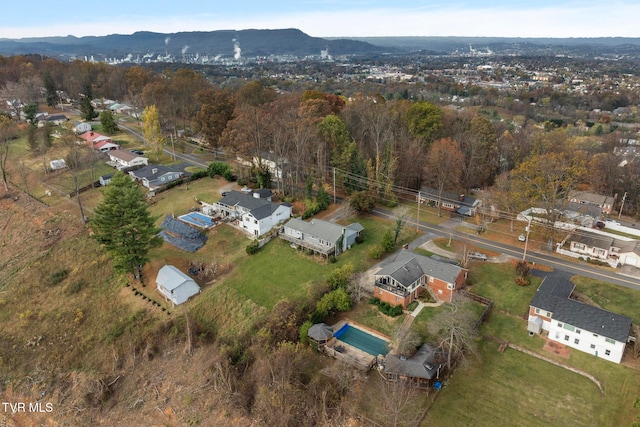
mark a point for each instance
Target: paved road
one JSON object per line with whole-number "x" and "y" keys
{"x": 574, "y": 268}
{"x": 431, "y": 232}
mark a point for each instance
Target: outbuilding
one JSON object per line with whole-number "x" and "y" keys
{"x": 176, "y": 286}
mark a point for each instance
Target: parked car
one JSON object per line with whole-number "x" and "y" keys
{"x": 138, "y": 152}
{"x": 522, "y": 238}
{"x": 477, "y": 255}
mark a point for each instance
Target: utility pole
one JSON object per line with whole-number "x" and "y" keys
{"x": 526, "y": 240}
{"x": 418, "y": 217}
{"x": 334, "y": 185}
{"x": 622, "y": 204}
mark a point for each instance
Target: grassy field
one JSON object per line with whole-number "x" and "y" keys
{"x": 496, "y": 282}
{"x": 610, "y": 297}
{"x": 514, "y": 389}
{"x": 518, "y": 389}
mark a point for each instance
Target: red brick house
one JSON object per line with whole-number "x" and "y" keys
{"x": 410, "y": 275}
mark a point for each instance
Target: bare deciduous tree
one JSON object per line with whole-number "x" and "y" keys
{"x": 454, "y": 329}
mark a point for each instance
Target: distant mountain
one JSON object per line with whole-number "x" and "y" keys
{"x": 293, "y": 42}
{"x": 247, "y": 43}
{"x": 508, "y": 45}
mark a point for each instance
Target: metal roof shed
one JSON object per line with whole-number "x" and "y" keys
{"x": 176, "y": 286}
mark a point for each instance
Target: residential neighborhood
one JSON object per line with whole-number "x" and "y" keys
{"x": 328, "y": 240}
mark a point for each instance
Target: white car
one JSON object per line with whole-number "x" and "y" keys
{"x": 522, "y": 238}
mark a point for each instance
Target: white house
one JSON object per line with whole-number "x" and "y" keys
{"x": 123, "y": 159}
{"x": 575, "y": 324}
{"x": 81, "y": 127}
{"x": 321, "y": 236}
{"x": 176, "y": 286}
{"x": 254, "y": 214}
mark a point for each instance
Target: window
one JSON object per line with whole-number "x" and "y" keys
{"x": 566, "y": 337}
{"x": 578, "y": 331}
{"x": 593, "y": 346}
{"x": 595, "y": 335}
{"x": 431, "y": 279}
{"x": 559, "y": 325}
{"x": 576, "y": 341}
{"x": 607, "y": 352}
{"x": 537, "y": 311}
{"x": 548, "y": 314}
{"x": 397, "y": 299}
{"x": 610, "y": 341}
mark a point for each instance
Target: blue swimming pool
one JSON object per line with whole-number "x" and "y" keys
{"x": 362, "y": 340}
{"x": 198, "y": 219}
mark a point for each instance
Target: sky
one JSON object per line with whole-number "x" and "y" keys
{"x": 326, "y": 18}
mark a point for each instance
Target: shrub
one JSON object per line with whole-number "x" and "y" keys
{"x": 375, "y": 251}
{"x": 304, "y": 332}
{"x": 333, "y": 259}
{"x": 58, "y": 276}
{"x": 360, "y": 237}
{"x": 221, "y": 169}
{"x": 76, "y": 287}
{"x": 522, "y": 281}
{"x": 253, "y": 247}
{"x": 374, "y": 301}
{"x": 198, "y": 174}
{"x": 387, "y": 241}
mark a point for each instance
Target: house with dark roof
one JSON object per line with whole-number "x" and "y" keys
{"x": 323, "y": 237}
{"x": 462, "y": 204}
{"x": 576, "y": 324}
{"x": 156, "y": 176}
{"x": 614, "y": 249}
{"x": 605, "y": 203}
{"x": 54, "y": 119}
{"x": 410, "y": 275}
{"x": 254, "y": 214}
{"x": 423, "y": 368}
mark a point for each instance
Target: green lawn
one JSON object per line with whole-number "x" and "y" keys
{"x": 610, "y": 297}
{"x": 514, "y": 389}
{"x": 496, "y": 282}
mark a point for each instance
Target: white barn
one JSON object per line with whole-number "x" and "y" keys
{"x": 176, "y": 286}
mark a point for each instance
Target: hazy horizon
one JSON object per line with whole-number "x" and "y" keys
{"x": 329, "y": 18}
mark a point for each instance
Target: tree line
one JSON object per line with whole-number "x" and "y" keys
{"x": 387, "y": 142}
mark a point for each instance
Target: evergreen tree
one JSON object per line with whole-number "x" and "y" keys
{"x": 108, "y": 122}
{"x": 50, "y": 88}
{"x": 124, "y": 225}
{"x": 87, "y": 112}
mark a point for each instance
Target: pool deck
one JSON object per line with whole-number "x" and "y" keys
{"x": 187, "y": 218}
{"x": 349, "y": 354}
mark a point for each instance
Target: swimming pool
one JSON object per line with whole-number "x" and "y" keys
{"x": 362, "y": 340}
{"x": 198, "y": 219}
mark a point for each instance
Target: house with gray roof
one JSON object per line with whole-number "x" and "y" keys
{"x": 156, "y": 176}
{"x": 323, "y": 237}
{"x": 576, "y": 324}
{"x": 409, "y": 275}
{"x": 423, "y": 368}
{"x": 605, "y": 203}
{"x": 253, "y": 213}
{"x": 461, "y": 204}
{"x": 614, "y": 249}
